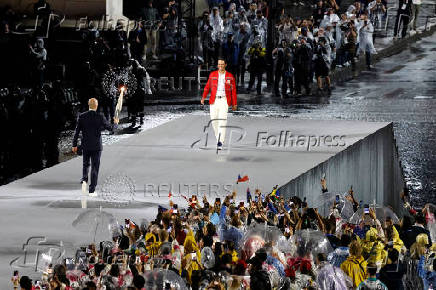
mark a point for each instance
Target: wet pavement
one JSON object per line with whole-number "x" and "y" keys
{"x": 401, "y": 89}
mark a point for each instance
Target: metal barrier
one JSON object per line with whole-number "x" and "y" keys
{"x": 379, "y": 26}
{"x": 427, "y": 21}
{"x": 387, "y": 18}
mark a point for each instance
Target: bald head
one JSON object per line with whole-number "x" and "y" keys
{"x": 93, "y": 104}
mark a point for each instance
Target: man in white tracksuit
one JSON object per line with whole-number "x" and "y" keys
{"x": 416, "y": 4}
{"x": 366, "y": 45}
{"x": 222, "y": 87}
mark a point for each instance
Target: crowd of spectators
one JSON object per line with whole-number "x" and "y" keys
{"x": 265, "y": 242}
{"x": 334, "y": 35}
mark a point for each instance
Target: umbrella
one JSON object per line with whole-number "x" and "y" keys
{"x": 231, "y": 233}
{"x": 214, "y": 219}
{"x": 49, "y": 255}
{"x": 309, "y": 241}
{"x": 163, "y": 279}
{"x": 285, "y": 245}
{"x": 331, "y": 277}
{"x": 252, "y": 244}
{"x": 96, "y": 221}
{"x": 347, "y": 209}
{"x": 381, "y": 212}
{"x": 267, "y": 233}
{"x": 327, "y": 200}
{"x": 207, "y": 258}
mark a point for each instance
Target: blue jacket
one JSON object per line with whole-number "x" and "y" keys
{"x": 338, "y": 256}
{"x": 91, "y": 124}
{"x": 428, "y": 277}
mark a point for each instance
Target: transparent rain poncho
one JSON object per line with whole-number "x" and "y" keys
{"x": 310, "y": 242}
{"x": 331, "y": 277}
{"x": 381, "y": 212}
{"x": 207, "y": 258}
{"x": 163, "y": 279}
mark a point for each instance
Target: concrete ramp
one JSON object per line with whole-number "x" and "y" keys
{"x": 180, "y": 155}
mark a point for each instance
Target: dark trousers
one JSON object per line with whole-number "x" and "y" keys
{"x": 368, "y": 58}
{"x": 288, "y": 80}
{"x": 135, "y": 107}
{"x": 404, "y": 21}
{"x": 240, "y": 74}
{"x": 51, "y": 149}
{"x": 277, "y": 76}
{"x": 302, "y": 79}
{"x": 253, "y": 75}
{"x": 107, "y": 106}
{"x": 91, "y": 158}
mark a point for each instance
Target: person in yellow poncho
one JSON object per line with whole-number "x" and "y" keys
{"x": 191, "y": 260}
{"x": 393, "y": 236}
{"x": 257, "y": 64}
{"x": 151, "y": 244}
{"x": 355, "y": 266}
{"x": 373, "y": 247}
{"x": 230, "y": 250}
{"x": 419, "y": 248}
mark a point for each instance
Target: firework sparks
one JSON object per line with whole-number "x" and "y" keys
{"x": 115, "y": 80}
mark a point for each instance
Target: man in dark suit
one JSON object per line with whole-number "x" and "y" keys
{"x": 410, "y": 234}
{"x": 91, "y": 124}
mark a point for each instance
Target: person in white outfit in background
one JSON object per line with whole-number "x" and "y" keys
{"x": 416, "y": 4}
{"x": 366, "y": 44}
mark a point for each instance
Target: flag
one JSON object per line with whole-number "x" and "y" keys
{"x": 248, "y": 195}
{"x": 242, "y": 179}
{"x": 275, "y": 193}
{"x": 170, "y": 195}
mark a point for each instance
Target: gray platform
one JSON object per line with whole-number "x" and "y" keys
{"x": 45, "y": 203}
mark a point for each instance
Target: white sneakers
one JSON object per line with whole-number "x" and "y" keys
{"x": 85, "y": 191}
{"x": 93, "y": 194}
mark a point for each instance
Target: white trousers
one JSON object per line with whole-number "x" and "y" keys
{"x": 218, "y": 116}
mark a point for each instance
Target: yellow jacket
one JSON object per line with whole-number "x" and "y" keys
{"x": 259, "y": 51}
{"x": 374, "y": 248}
{"x": 190, "y": 246}
{"x": 398, "y": 243}
{"x": 355, "y": 268}
{"x": 152, "y": 246}
{"x": 234, "y": 254}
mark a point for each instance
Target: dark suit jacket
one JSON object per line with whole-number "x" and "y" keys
{"x": 408, "y": 9}
{"x": 91, "y": 124}
{"x": 410, "y": 235}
